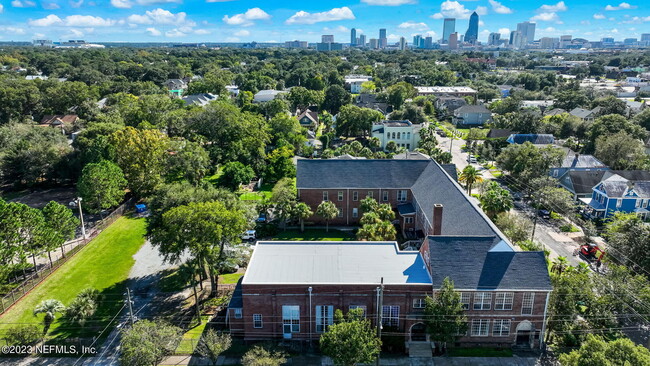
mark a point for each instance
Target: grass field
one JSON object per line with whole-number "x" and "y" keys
{"x": 314, "y": 235}
{"x": 191, "y": 337}
{"x": 264, "y": 192}
{"x": 104, "y": 264}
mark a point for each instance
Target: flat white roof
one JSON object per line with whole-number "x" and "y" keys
{"x": 334, "y": 263}
{"x": 444, "y": 89}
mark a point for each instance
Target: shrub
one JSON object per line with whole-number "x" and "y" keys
{"x": 568, "y": 228}
{"x": 23, "y": 335}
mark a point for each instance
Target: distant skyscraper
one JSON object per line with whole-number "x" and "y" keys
{"x": 295, "y": 44}
{"x": 493, "y": 39}
{"x": 453, "y": 41}
{"x": 527, "y": 30}
{"x": 402, "y": 43}
{"x": 373, "y": 43}
{"x": 428, "y": 42}
{"x": 327, "y": 38}
{"x": 417, "y": 39}
{"x": 608, "y": 40}
{"x": 362, "y": 40}
{"x": 516, "y": 39}
{"x": 565, "y": 41}
{"x": 472, "y": 31}
{"x": 630, "y": 41}
{"x": 448, "y": 28}
{"x": 549, "y": 43}
{"x": 383, "y": 40}
{"x": 645, "y": 39}
{"x": 353, "y": 37}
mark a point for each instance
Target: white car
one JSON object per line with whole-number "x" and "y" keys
{"x": 248, "y": 235}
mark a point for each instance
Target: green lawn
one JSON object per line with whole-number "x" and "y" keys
{"x": 103, "y": 264}
{"x": 479, "y": 352}
{"x": 264, "y": 192}
{"x": 191, "y": 337}
{"x": 231, "y": 278}
{"x": 315, "y": 235}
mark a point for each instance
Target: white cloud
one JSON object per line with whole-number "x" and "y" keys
{"x": 202, "y": 31}
{"x": 430, "y": 33}
{"x": 393, "y": 37}
{"x": 154, "y": 32}
{"x": 547, "y": 17}
{"x": 46, "y": 22}
{"x": 126, "y": 4}
{"x": 621, "y": 6}
{"x": 500, "y": 8}
{"x": 74, "y": 33}
{"x": 87, "y": 21}
{"x": 504, "y": 31}
{"x": 13, "y": 30}
{"x": 122, "y": 4}
{"x": 160, "y": 16}
{"x": 50, "y": 6}
{"x": 76, "y": 4}
{"x": 636, "y": 20}
{"x": 23, "y": 4}
{"x": 414, "y": 26}
{"x": 246, "y": 19}
{"x": 2, "y": 8}
{"x": 339, "y": 29}
{"x": 553, "y": 8}
{"x": 303, "y": 17}
{"x": 175, "y": 33}
{"x": 232, "y": 39}
{"x": 388, "y": 2}
{"x": 454, "y": 9}
{"x": 599, "y": 16}
{"x": 242, "y": 33}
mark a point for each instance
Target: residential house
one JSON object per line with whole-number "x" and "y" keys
{"x": 585, "y": 115}
{"x": 447, "y": 104}
{"x": 575, "y": 162}
{"x": 354, "y": 82}
{"x": 438, "y": 91}
{"x": 554, "y": 112}
{"x": 620, "y": 191}
{"x": 370, "y": 101}
{"x": 176, "y": 87}
{"x": 404, "y": 133}
{"x": 535, "y": 139}
{"x": 581, "y": 182}
{"x": 505, "y": 90}
{"x": 267, "y": 95}
{"x": 308, "y": 119}
{"x": 64, "y": 122}
{"x": 292, "y": 289}
{"x": 472, "y": 115}
{"x": 200, "y": 100}
{"x": 634, "y": 107}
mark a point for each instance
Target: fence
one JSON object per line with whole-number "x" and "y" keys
{"x": 42, "y": 273}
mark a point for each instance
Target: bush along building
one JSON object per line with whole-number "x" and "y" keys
{"x": 291, "y": 289}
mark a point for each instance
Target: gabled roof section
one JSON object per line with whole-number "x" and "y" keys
{"x": 536, "y": 139}
{"x": 583, "y": 181}
{"x": 575, "y": 160}
{"x": 485, "y": 263}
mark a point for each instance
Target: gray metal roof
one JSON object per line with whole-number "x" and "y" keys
{"x": 334, "y": 263}
{"x": 536, "y": 139}
{"x": 473, "y": 109}
{"x": 583, "y": 181}
{"x": 574, "y": 160}
{"x": 485, "y": 263}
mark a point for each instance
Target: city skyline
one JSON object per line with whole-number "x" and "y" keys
{"x": 245, "y": 21}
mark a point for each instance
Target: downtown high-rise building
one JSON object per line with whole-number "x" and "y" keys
{"x": 353, "y": 37}
{"x": 428, "y": 42}
{"x": 383, "y": 40}
{"x": 645, "y": 39}
{"x": 449, "y": 27}
{"x": 472, "y": 30}
{"x": 527, "y": 30}
{"x": 327, "y": 38}
{"x": 494, "y": 39}
{"x": 373, "y": 43}
{"x": 453, "y": 41}
{"x": 516, "y": 39}
{"x": 362, "y": 40}
{"x": 402, "y": 43}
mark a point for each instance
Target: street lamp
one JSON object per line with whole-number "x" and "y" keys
{"x": 77, "y": 202}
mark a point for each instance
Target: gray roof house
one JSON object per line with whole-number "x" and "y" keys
{"x": 449, "y": 103}
{"x": 472, "y": 115}
{"x": 535, "y": 139}
{"x": 267, "y": 95}
{"x": 308, "y": 119}
{"x": 200, "y": 100}
{"x": 365, "y": 100}
{"x": 585, "y": 114}
{"x": 574, "y": 162}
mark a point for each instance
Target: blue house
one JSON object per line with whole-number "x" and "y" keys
{"x": 574, "y": 162}
{"x": 617, "y": 193}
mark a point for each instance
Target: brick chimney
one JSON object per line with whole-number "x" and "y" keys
{"x": 437, "y": 219}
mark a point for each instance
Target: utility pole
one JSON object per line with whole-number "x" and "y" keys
{"x": 380, "y": 311}
{"x": 128, "y": 299}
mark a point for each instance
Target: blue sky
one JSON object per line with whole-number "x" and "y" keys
{"x": 282, "y": 20}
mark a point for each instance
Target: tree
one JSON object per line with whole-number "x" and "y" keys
{"x": 301, "y": 211}
{"x": 83, "y": 306}
{"x": 280, "y": 164}
{"x": 628, "y": 236}
{"x": 209, "y": 231}
{"x": 517, "y": 228}
{"x": 335, "y": 98}
{"x": 611, "y": 124}
{"x": 353, "y": 121}
{"x": 525, "y": 162}
{"x": 599, "y": 352}
{"x": 283, "y": 196}
{"x": 61, "y": 225}
{"x": 610, "y": 105}
{"x": 49, "y": 308}
{"x": 141, "y": 156}
{"x": 410, "y": 112}
{"x": 495, "y": 200}
{"x": 23, "y": 335}
{"x": 328, "y": 211}
{"x": 444, "y": 315}
{"x": 234, "y": 174}
{"x": 399, "y": 92}
{"x": 621, "y": 152}
{"x": 147, "y": 343}
{"x": 469, "y": 176}
{"x": 352, "y": 340}
{"x": 101, "y": 186}
{"x": 212, "y": 344}
{"x": 286, "y": 130}
{"x": 555, "y": 199}
{"x": 187, "y": 160}
{"x": 301, "y": 98}
{"x": 260, "y": 356}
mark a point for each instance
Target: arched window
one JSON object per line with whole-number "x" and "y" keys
{"x": 398, "y": 136}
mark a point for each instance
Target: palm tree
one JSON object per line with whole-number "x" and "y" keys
{"x": 560, "y": 265}
{"x": 495, "y": 200}
{"x": 83, "y": 306}
{"x": 301, "y": 211}
{"x": 49, "y": 307}
{"x": 328, "y": 211}
{"x": 469, "y": 176}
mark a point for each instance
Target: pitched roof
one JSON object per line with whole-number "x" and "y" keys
{"x": 555, "y": 112}
{"x": 499, "y": 133}
{"x": 472, "y": 109}
{"x": 537, "y": 139}
{"x": 584, "y": 180}
{"x": 199, "y": 99}
{"x": 334, "y": 263}
{"x": 575, "y": 160}
{"x": 617, "y": 186}
{"x": 313, "y": 116}
{"x": 485, "y": 263}
{"x": 633, "y": 175}
{"x": 581, "y": 113}
{"x": 59, "y": 119}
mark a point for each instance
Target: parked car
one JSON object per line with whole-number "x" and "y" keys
{"x": 545, "y": 214}
{"x": 472, "y": 159}
{"x": 261, "y": 218}
{"x": 248, "y": 235}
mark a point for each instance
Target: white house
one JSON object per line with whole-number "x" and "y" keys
{"x": 404, "y": 133}
{"x": 267, "y": 95}
{"x": 355, "y": 81}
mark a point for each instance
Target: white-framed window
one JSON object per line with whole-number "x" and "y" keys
{"x": 340, "y": 196}
{"x": 408, "y": 220}
{"x": 482, "y": 300}
{"x": 402, "y": 195}
{"x": 398, "y": 135}
{"x": 340, "y": 212}
{"x": 290, "y": 319}
{"x": 555, "y": 173}
{"x": 326, "y": 196}
{"x": 637, "y": 204}
{"x": 355, "y": 195}
{"x": 238, "y": 313}
{"x": 501, "y": 327}
{"x": 419, "y": 303}
{"x": 619, "y": 202}
{"x": 465, "y": 299}
{"x": 370, "y": 194}
{"x": 645, "y": 203}
{"x": 257, "y": 321}
{"x": 480, "y": 327}
{"x": 503, "y": 300}
{"x": 362, "y": 307}
{"x": 324, "y": 317}
{"x": 527, "y": 303}
{"x": 385, "y": 198}
{"x": 355, "y": 212}
{"x": 390, "y": 316}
